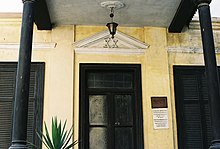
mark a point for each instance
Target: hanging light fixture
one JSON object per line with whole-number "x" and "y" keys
{"x": 112, "y": 5}
{"x": 111, "y": 42}
{"x": 112, "y": 26}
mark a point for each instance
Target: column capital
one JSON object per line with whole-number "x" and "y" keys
{"x": 197, "y": 2}
{"x": 28, "y": 0}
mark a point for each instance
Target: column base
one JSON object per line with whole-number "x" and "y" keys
{"x": 215, "y": 144}
{"x": 18, "y": 146}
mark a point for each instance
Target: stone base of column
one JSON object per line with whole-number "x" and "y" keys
{"x": 215, "y": 144}
{"x": 18, "y": 146}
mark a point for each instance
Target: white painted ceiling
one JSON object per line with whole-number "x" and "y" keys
{"x": 135, "y": 13}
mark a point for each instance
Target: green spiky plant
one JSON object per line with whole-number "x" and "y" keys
{"x": 60, "y": 138}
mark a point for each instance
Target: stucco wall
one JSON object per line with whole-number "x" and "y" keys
{"x": 61, "y": 95}
{"x": 55, "y": 49}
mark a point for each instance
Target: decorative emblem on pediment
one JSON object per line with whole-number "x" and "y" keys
{"x": 101, "y": 43}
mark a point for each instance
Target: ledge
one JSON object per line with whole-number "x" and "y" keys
{"x": 194, "y": 24}
{"x": 9, "y": 15}
{"x": 191, "y": 50}
{"x": 49, "y": 45}
{"x": 117, "y": 51}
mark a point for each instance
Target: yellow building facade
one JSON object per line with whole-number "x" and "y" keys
{"x": 64, "y": 48}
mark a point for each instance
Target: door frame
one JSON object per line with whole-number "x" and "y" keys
{"x": 136, "y": 68}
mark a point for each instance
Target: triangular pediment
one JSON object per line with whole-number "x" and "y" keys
{"x": 101, "y": 43}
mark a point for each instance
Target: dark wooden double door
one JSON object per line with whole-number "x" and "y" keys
{"x": 110, "y": 112}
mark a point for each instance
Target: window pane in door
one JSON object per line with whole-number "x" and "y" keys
{"x": 98, "y": 138}
{"x": 98, "y": 110}
{"x": 110, "y": 80}
{"x": 123, "y": 110}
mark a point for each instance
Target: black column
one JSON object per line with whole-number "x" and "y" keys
{"x": 20, "y": 113}
{"x": 211, "y": 69}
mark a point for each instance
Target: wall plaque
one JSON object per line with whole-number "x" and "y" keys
{"x": 159, "y": 102}
{"x": 160, "y": 118}
{"x": 160, "y": 112}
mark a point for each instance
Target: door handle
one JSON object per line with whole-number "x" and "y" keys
{"x": 117, "y": 123}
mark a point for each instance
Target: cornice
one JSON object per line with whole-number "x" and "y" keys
{"x": 190, "y": 50}
{"x": 39, "y": 46}
{"x": 194, "y": 24}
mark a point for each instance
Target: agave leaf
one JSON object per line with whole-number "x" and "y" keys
{"x": 63, "y": 128}
{"x": 67, "y": 141}
{"x": 47, "y": 138}
{"x": 63, "y": 139}
{"x": 59, "y": 133}
{"x": 32, "y": 144}
{"x": 54, "y": 133}
{"x": 45, "y": 143}
{"x": 63, "y": 135}
{"x": 60, "y": 138}
{"x": 72, "y": 144}
{"x": 68, "y": 137}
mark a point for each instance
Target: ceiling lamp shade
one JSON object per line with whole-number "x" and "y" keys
{"x": 112, "y": 27}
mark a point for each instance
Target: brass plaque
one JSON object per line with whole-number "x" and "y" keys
{"x": 159, "y": 102}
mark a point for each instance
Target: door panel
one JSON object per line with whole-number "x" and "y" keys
{"x": 124, "y": 138}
